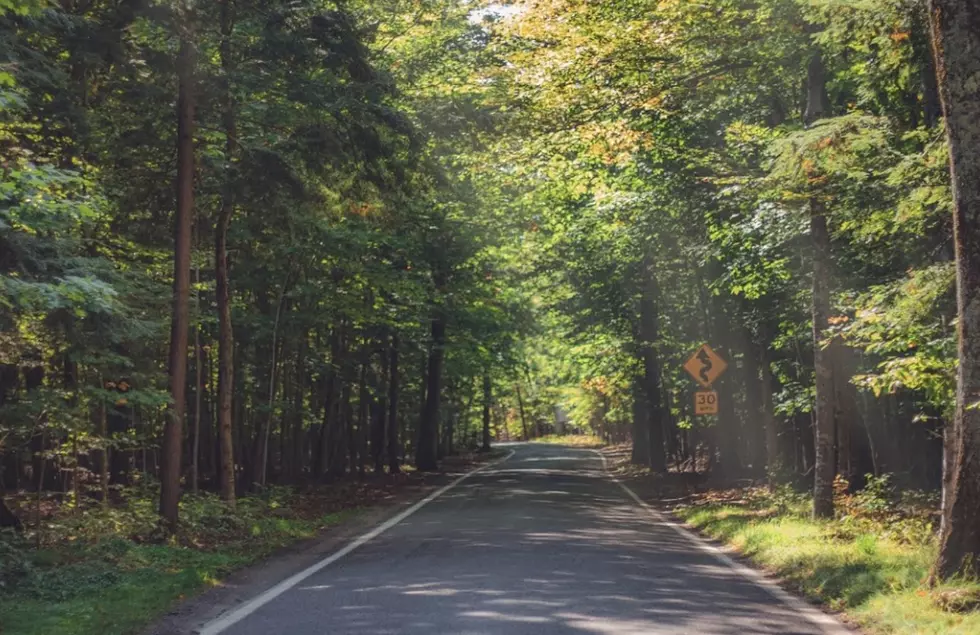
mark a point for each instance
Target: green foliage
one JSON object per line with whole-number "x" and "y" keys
{"x": 106, "y": 571}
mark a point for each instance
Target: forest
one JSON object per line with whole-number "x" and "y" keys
{"x": 252, "y": 248}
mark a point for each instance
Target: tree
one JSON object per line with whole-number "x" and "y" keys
{"x": 956, "y": 42}
{"x": 226, "y": 342}
{"x": 170, "y": 471}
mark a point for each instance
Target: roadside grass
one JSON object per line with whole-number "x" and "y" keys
{"x": 871, "y": 563}
{"x": 107, "y": 571}
{"x": 574, "y": 440}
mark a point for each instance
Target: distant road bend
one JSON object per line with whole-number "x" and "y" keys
{"x": 542, "y": 543}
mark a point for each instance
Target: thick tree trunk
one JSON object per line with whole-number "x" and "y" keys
{"x": 226, "y": 338}
{"x": 426, "y": 452}
{"x": 173, "y": 429}
{"x": 956, "y": 42}
{"x": 393, "y": 441}
{"x": 487, "y": 403}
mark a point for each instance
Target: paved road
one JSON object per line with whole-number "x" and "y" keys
{"x": 541, "y": 544}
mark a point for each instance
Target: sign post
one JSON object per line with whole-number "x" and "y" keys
{"x": 705, "y": 366}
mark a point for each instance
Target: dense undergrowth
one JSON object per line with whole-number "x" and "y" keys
{"x": 871, "y": 562}
{"x": 109, "y": 570}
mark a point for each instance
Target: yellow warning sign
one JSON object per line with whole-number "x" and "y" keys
{"x": 706, "y": 403}
{"x": 705, "y": 366}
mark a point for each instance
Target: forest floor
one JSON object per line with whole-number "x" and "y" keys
{"x": 572, "y": 440}
{"x": 106, "y": 571}
{"x": 870, "y": 564}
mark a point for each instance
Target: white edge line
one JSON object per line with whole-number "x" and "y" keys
{"x": 827, "y": 623}
{"x": 236, "y": 615}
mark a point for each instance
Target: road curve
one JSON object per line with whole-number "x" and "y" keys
{"x": 543, "y": 543}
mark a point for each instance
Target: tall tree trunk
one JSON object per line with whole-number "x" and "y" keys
{"x": 823, "y": 431}
{"x": 649, "y": 337}
{"x": 324, "y": 458}
{"x": 956, "y": 42}
{"x": 520, "y": 405}
{"x": 174, "y": 426}
{"x": 773, "y": 460}
{"x": 359, "y": 444}
{"x": 297, "y": 456}
{"x": 393, "y": 440}
{"x": 226, "y": 337}
{"x": 198, "y": 381}
{"x": 640, "y": 454}
{"x": 378, "y": 419}
{"x": 263, "y": 467}
{"x": 487, "y": 402}
{"x": 823, "y": 486}
{"x": 426, "y": 452}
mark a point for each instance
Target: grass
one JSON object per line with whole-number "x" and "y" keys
{"x": 574, "y": 440}
{"x": 107, "y": 571}
{"x": 871, "y": 566}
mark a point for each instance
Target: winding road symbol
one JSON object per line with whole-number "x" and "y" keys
{"x": 705, "y": 366}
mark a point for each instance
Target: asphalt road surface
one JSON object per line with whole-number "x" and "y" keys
{"x": 542, "y": 543}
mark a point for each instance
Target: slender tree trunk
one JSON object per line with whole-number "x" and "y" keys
{"x": 487, "y": 402}
{"x": 823, "y": 431}
{"x": 520, "y": 405}
{"x": 226, "y": 338}
{"x": 773, "y": 462}
{"x": 649, "y": 337}
{"x": 378, "y": 423}
{"x": 393, "y": 441}
{"x": 198, "y": 380}
{"x": 174, "y": 426}
{"x": 363, "y": 412}
{"x": 104, "y": 454}
{"x": 823, "y": 488}
{"x": 267, "y": 424}
{"x": 426, "y": 451}
{"x": 295, "y": 455}
{"x": 956, "y": 42}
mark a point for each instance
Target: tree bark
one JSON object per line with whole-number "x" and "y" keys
{"x": 174, "y": 426}
{"x": 378, "y": 419}
{"x": 393, "y": 441}
{"x": 823, "y": 431}
{"x": 652, "y": 389}
{"x": 773, "y": 458}
{"x": 640, "y": 454}
{"x": 226, "y": 337}
{"x": 263, "y": 467}
{"x": 956, "y": 43}
{"x": 426, "y": 452}
{"x": 487, "y": 402}
{"x": 198, "y": 381}
{"x": 520, "y": 405}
